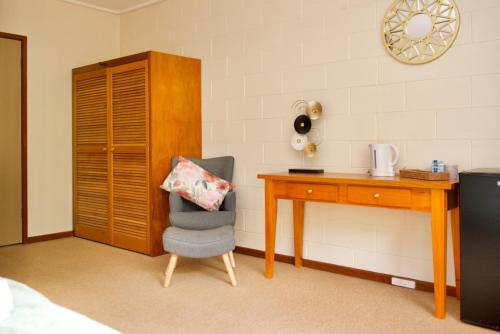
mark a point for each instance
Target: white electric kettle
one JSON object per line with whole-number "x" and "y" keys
{"x": 383, "y": 157}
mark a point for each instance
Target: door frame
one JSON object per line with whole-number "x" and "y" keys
{"x": 24, "y": 128}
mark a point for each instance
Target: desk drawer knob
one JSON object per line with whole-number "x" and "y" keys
{"x": 376, "y": 195}
{"x": 309, "y": 191}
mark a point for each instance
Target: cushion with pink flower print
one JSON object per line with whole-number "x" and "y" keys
{"x": 197, "y": 185}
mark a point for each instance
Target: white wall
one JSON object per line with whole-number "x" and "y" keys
{"x": 61, "y": 37}
{"x": 261, "y": 55}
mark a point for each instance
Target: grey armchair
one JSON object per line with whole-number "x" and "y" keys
{"x": 197, "y": 233}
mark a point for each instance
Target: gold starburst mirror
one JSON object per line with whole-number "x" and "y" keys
{"x": 419, "y": 31}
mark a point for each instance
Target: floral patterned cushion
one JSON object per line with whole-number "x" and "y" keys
{"x": 197, "y": 185}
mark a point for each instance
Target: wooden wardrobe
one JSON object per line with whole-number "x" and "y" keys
{"x": 130, "y": 116}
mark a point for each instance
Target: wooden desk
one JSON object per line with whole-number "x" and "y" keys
{"x": 435, "y": 197}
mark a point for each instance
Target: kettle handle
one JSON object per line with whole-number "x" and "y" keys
{"x": 396, "y": 156}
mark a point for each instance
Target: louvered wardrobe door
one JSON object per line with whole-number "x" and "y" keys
{"x": 130, "y": 139}
{"x": 90, "y": 162}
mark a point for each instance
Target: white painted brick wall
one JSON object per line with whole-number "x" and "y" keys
{"x": 259, "y": 56}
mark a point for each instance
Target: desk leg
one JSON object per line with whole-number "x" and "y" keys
{"x": 298, "y": 231}
{"x": 455, "y": 232}
{"x": 439, "y": 207}
{"x": 271, "y": 210}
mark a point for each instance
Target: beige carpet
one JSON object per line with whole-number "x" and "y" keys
{"x": 124, "y": 290}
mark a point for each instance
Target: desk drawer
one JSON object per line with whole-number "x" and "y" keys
{"x": 390, "y": 197}
{"x": 312, "y": 192}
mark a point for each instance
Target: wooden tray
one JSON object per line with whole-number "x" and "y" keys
{"x": 424, "y": 175}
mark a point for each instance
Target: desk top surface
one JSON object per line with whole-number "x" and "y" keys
{"x": 359, "y": 179}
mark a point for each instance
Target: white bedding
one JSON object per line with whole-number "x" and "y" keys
{"x": 6, "y": 304}
{"x": 35, "y": 314}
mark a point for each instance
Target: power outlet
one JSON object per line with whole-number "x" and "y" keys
{"x": 405, "y": 283}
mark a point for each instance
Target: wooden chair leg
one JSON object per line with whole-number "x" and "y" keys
{"x": 231, "y": 258}
{"x": 229, "y": 269}
{"x": 170, "y": 269}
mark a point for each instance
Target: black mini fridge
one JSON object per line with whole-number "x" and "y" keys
{"x": 480, "y": 247}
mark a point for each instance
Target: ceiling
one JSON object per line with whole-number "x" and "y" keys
{"x": 114, "y": 6}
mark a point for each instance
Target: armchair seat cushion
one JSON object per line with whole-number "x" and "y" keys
{"x": 199, "y": 243}
{"x": 202, "y": 220}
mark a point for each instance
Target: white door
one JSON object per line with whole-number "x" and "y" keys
{"x": 10, "y": 142}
